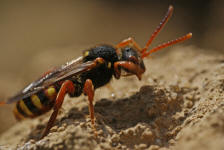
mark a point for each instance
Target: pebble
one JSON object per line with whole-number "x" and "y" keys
{"x": 147, "y": 134}
{"x": 115, "y": 138}
{"x": 54, "y": 129}
{"x": 61, "y": 129}
{"x": 105, "y": 146}
{"x": 154, "y": 147}
{"x": 189, "y": 104}
{"x": 142, "y": 146}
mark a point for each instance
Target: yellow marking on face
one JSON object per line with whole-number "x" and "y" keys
{"x": 24, "y": 108}
{"x": 86, "y": 53}
{"x": 17, "y": 114}
{"x": 109, "y": 65}
{"x": 36, "y": 101}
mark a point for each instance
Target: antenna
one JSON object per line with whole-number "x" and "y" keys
{"x": 156, "y": 32}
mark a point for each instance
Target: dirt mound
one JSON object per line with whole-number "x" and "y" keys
{"x": 177, "y": 105}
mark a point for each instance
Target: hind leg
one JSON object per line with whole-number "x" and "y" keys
{"x": 66, "y": 87}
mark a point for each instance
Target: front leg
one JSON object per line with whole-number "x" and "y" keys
{"x": 129, "y": 42}
{"x": 130, "y": 66}
{"x": 89, "y": 91}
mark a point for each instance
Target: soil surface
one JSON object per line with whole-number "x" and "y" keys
{"x": 178, "y": 104}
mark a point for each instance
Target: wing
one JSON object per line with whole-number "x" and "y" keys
{"x": 72, "y": 68}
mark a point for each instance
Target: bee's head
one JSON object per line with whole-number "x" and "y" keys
{"x": 135, "y": 63}
{"x": 131, "y": 55}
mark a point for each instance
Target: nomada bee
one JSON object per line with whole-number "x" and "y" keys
{"x": 93, "y": 69}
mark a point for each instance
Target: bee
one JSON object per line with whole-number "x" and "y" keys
{"x": 95, "y": 68}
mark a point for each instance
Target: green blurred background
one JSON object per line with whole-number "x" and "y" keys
{"x": 37, "y": 35}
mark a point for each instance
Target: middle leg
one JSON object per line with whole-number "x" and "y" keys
{"x": 89, "y": 91}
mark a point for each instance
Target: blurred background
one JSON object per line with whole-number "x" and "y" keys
{"x": 37, "y": 35}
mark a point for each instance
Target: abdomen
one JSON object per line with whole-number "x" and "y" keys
{"x": 36, "y": 104}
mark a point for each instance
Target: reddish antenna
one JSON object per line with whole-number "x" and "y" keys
{"x": 156, "y": 32}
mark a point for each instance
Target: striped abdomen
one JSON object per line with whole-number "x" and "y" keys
{"x": 36, "y": 104}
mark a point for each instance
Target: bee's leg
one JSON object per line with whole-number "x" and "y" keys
{"x": 89, "y": 91}
{"x": 129, "y": 41}
{"x": 131, "y": 67}
{"x": 66, "y": 87}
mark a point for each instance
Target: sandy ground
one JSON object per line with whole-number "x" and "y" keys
{"x": 177, "y": 105}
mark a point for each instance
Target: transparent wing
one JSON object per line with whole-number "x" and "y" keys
{"x": 72, "y": 68}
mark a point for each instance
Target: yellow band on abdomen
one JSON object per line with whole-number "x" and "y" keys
{"x": 17, "y": 114}
{"x": 24, "y": 108}
{"x": 36, "y": 101}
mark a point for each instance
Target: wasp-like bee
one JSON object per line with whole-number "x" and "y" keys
{"x": 93, "y": 69}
